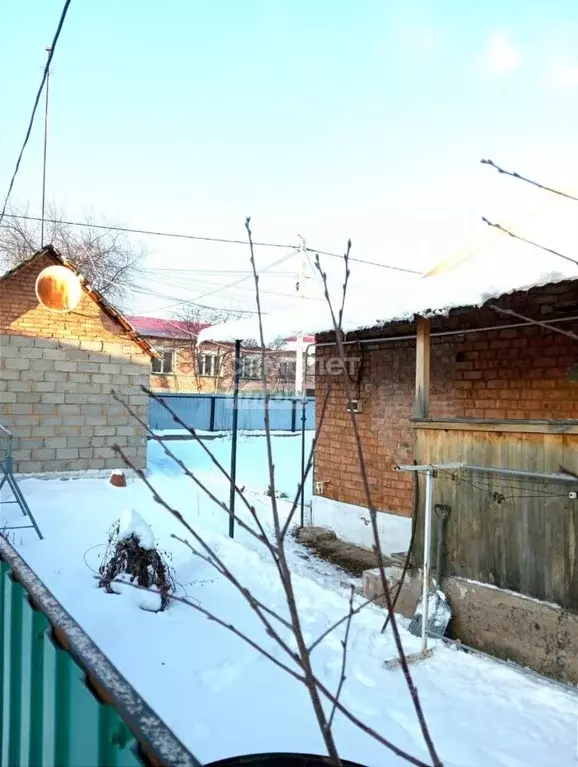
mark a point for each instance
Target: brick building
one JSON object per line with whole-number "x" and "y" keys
{"x": 57, "y": 371}
{"x": 489, "y": 395}
{"x": 487, "y": 370}
{"x": 185, "y": 367}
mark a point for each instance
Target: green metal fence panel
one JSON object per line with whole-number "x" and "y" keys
{"x": 51, "y": 714}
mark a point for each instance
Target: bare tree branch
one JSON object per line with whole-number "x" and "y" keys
{"x": 373, "y": 511}
{"x": 108, "y": 259}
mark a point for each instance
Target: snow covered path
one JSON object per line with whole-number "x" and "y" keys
{"x": 220, "y": 696}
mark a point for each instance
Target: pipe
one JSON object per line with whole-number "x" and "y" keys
{"x": 426, "y": 556}
{"x": 233, "y": 472}
{"x": 521, "y": 473}
{"x": 442, "y": 333}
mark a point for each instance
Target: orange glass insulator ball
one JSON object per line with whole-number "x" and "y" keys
{"x": 58, "y": 289}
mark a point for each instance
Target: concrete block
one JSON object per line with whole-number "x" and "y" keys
{"x": 115, "y": 463}
{"x": 81, "y": 464}
{"x": 96, "y": 420}
{"x": 104, "y": 452}
{"x": 10, "y": 375}
{"x": 100, "y": 358}
{"x": 68, "y": 453}
{"x": 121, "y": 441}
{"x": 54, "y": 377}
{"x": 88, "y": 367}
{"x": 53, "y": 397}
{"x": 68, "y": 431}
{"x": 110, "y": 368}
{"x": 17, "y": 386}
{"x": 32, "y": 375}
{"x": 92, "y": 410}
{"x": 120, "y": 380}
{"x": 98, "y": 441}
{"x": 44, "y": 386}
{"x": 21, "y": 431}
{"x": 98, "y": 463}
{"x": 104, "y": 431}
{"x": 16, "y": 363}
{"x": 79, "y": 442}
{"x": 77, "y": 355}
{"x": 54, "y": 354}
{"x": 87, "y": 388}
{"x": 66, "y": 366}
{"x": 86, "y": 452}
{"x": 51, "y": 420}
{"x": 30, "y": 353}
{"x": 92, "y": 346}
{"x": 21, "y": 455}
{"x": 74, "y": 398}
{"x": 42, "y": 364}
{"x": 138, "y": 399}
{"x": 79, "y": 377}
{"x": 69, "y": 409}
{"x": 29, "y": 467}
{"x": 14, "y": 340}
{"x": 127, "y": 431}
{"x": 70, "y": 343}
{"x": 44, "y": 343}
{"x": 44, "y": 454}
{"x": 73, "y": 420}
{"x": 44, "y": 431}
{"x": 46, "y": 409}
{"x": 8, "y": 352}
{"x": 55, "y": 442}
{"x": 7, "y": 396}
{"x": 101, "y": 378}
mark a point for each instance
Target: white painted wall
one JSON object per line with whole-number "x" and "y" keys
{"x": 351, "y": 524}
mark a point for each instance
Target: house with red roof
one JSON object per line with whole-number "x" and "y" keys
{"x": 185, "y": 366}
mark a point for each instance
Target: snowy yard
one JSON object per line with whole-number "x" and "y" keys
{"x": 222, "y": 698}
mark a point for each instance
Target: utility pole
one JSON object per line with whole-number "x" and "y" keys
{"x": 299, "y": 347}
{"x": 48, "y": 51}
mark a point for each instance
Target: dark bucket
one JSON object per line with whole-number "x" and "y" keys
{"x": 280, "y": 760}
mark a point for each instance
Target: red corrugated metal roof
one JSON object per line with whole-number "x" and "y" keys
{"x": 158, "y": 327}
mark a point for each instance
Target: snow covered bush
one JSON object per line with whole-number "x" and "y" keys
{"x": 131, "y": 553}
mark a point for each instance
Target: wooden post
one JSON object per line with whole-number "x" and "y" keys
{"x": 422, "y": 366}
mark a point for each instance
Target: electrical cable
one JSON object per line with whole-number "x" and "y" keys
{"x": 200, "y": 238}
{"x": 35, "y": 107}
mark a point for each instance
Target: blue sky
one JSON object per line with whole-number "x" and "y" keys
{"x": 353, "y": 118}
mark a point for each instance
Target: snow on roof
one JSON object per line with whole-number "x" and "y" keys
{"x": 158, "y": 327}
{"x": 504, "y": 265}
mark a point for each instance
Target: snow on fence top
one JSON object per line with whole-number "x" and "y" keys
{"x": 509, "y": 267}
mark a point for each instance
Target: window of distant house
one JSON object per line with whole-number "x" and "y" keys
{"x": 165, "y": 363}
{"x": 251, "y": 368}
{"x": 287, "y": 369}
{"x": 209, "y": 364}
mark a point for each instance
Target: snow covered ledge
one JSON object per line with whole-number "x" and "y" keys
{"x": 351, "y": 524}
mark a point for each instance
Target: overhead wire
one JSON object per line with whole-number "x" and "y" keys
{"x": 35, "y": 107}
{"x": 200, "y": 238}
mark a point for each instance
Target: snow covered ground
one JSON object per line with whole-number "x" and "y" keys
{"x": 219, "y": 695}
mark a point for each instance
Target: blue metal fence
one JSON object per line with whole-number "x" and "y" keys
{"x": 214, "y": 412}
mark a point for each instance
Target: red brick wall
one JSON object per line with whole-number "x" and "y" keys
{"x": 21, "y": 314}
{"x": 520, "y": 373}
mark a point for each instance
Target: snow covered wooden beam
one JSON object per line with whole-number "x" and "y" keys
{"x": 422, "y": 367}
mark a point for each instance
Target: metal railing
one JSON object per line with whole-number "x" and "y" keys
{"x": 7, "y": 478}
{"x": 62, "y": 702}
